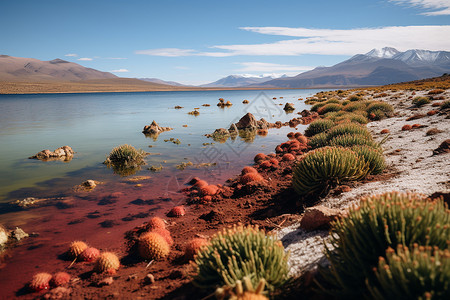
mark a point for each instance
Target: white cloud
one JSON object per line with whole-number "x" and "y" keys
{"x": 326, "y": 41}
{"x": 120, "y": 71}
{"x": 271, "y": 67}
{"x": 71, "y": 55}
{"x": 434, "y": 7}
{"x": 170, "y": 52}
{"x": 85, "y": 59}
{"x": 176, "y": 52}
{"x": 344, "y": 42}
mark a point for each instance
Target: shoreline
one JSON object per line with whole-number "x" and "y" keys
{"x": 274, "y": 208}
{"x": 32, "y": 88}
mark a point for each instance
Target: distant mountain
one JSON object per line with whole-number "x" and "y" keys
{"x": 239, "y": 81}
{"x": 159, "y": 81}
{"x": 30, "y": 69}
{"x": 377, "y": 67}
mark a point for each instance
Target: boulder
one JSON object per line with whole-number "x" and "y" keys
{"x": 247, "y": 122}
{"x": 65, "y": 152}
{"x": 19, "y": 234}
{"x": 318, "y": 217}
{"x": 233, "y": 129}
{"x": 154, "y": 128}
{"x": 289, "y": 107}
{"x": 444, "y": 147}
{"x": 305, "y": 113}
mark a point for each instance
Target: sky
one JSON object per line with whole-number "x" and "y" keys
{"x": 196, "y": 42}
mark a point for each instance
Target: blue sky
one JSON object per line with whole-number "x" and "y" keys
{"x": 197, "y": 42}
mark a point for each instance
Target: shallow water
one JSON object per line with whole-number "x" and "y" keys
{"x": 92, "y": 124}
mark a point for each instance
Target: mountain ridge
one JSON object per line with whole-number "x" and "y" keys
{"x": 377, "y": 67}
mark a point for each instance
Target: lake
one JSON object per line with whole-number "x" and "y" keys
{"x": 92, "y": 124}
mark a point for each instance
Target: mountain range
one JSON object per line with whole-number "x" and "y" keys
{"x": 240, "y": 80}
{"x": 30, "y": 69}
{"x": 377, "y": 67}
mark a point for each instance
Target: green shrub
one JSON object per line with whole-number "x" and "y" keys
{"x": 320, "y": 169}
{"x": 329, "y": 107}
{"x": 125, "y": 160}
{"x": 374, "y": 157}
{"x": 333, "y": 100}
{"x": 445, "y": 104}
{"x": 239, "y": 252}
{"x": 350, "y": 140}
{"x": 352, "y": 106}
{"x": 422, "y": 273}
{"x": 354, "y": 98}
{"x": 381, "y": 221}
{"x": 352, "y": 117}
{"x": 420, "y": 101}
{"x": 318, "y": 140}
{"x": 316, "y": 106}
{"x": 380, "y": 109}
{"x": 318, "y": 126}
{"x": 348, "y": 128}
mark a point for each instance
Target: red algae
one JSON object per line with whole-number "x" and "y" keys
{"x": 265, "y": 164}
{"x": 209, "y": 190}
{"x": 40, "y": 281}
{"x": 250, "y": 177}
{"x": 90, "y": 254}
{"x": 406, "y": 127}
{"x": 288, "y": 157}
{"x": 248, "y": 169}
{"x": 192, "y": 246}
{"x": 60, "y": 278}
{"x": 259, "y": 157}
{"x": 177, "y": 211}
{"x": 199, "y": 184}
{"x": 165, "y": 234}
{"x": 156, "y": 222}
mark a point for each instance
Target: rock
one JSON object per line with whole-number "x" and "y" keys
{"x": 64, "y": 152}
{"x": 305, "y": 113}
{"x": 318, "y": 216}
{"x": 58, "y": 293}
{"x": 90, "y": 184}
{"x": 220, "y": 132}
{"x": 233, "y": 129}
{"x": 263, "y": 124}
{"x": 106, "y": 281}
{"x": 247, "y": 122}
{"x": 149, "y": 279}
{"x": 18, "y": 234}
{"x": 154, "y": 129}
{"x": 3, "y": 236}
{"x": 444, "y": 147}
{"x": 289, "y": 107}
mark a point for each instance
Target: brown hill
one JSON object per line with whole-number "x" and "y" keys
{"x": 14, "y": 69}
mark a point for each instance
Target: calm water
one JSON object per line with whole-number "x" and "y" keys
{"x": 92, "y": 124}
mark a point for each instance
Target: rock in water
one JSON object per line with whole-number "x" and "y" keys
{"x": 247, "y": 122}
{"x": 289, "y": 107}
{"x": 64, "y": 152}
{"x": 154, "y": 128}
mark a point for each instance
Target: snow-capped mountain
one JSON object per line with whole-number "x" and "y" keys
{"x": 242, "y": 80}
{"x": 377, "y": 67}
{"x": 423, "y": 56}
{"x": 386, "y": 52}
